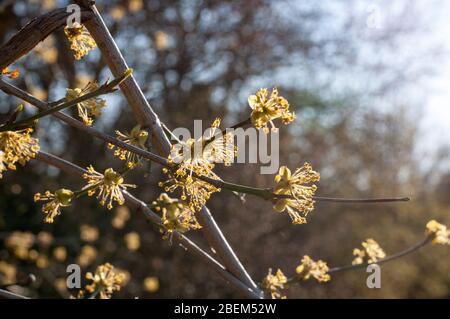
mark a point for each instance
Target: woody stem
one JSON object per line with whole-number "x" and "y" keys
{"x": 104, "y": 89}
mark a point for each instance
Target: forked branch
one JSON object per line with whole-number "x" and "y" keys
{"x": 138, "y": 205}
{"x": 34, "y": 32}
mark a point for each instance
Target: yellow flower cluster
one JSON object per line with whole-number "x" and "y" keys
{"x": 60, "y": 253}
{"x": 110, "y": 185}
{"x": 310, "y": 268}
{"x": 176, "y": 215}
{"x": 267, "y": 108}
{"x": 88, "y": 233}
{"x": 3, "y": 163}
{"x": 80, "y": 40}
{"x": 439, "y": 233}
{"x": 88, "y": 109}
{"x": 16, "y": 147}
{"x": 274, "y": 284}
{"x": 121, "y": 217}
{"x": 61, "y": 198}
{"x": 194, "y": 190}
{"x": 20, "y": 244}
{"x": 205, "y": 152}
{"x": 8, "y": 273}
{"x": 132, "y": 241}
{"x": 199, "y": 157}
{"x": 105, "y": 281}
{"x": 151, "y": 284}
{"x": 371, "y": 253}
{"x": 87, "y": 256}
{"x": 10, "y": 74}
{"x": 136, "y": 137}
{"x": 45, "y": 239}
{"x": 300, "y": 201}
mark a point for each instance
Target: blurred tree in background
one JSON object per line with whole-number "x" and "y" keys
{"x": 201, "y": 59}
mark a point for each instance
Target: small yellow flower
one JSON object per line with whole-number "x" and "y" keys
{"x": 371, "y": 253}
{"x": 135, "y": 5}
{"x": 8, "y": 273}
{"x": 3, "y": 163}
{"x": 33, "y": 255}
{"x": 176, "y": 215}
{"x": 88, "y": 233}
{"x": 60, "y": 285}
{"x": 310, "y": 268}
{"x": 20, "y": 243}
{"x": 219, "y": 147}
{"x": 274, "y": 284}
{"x": 199, "y": 157}
{"x": 295, "y": 186}
{"x": 17, "y": 146}
{"x": 88, "y": 109}
{"x": 126, "y": 275}
{"x": 80, "y": 40}
{"x": 121, "y": 217}
{"x": 42, "y": 261}
{"x": 117, "y": 13}
{"x": 60, "y": 253}
{"x": 265, "y": 109}
{"x": 161, "y": 40}
{"x": 132, "y": 241}
{"x": 151, "y": 284}
{"x": 45, "y": 239}
{"x": 10, "y": 74}
{"x": 439, "y": 233}
{"x": 293, "y": 207}
{"x": 136, "y": 137}
{"x": 105, "y": 281}
{"x": 87, "y": 255}
{"x": 110, "y": 185}
{"x": 205, "y": 152}
{"x": 194, "y": 190}
{"x": 61, "y": 198}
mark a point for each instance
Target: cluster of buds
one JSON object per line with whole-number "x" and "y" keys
{"x": 371, "y": 253}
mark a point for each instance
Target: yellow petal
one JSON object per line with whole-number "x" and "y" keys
{"x": 280, "y": 205}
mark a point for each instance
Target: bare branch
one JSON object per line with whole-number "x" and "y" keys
{"x": 34, "y": 32}
{"x": 108, "y": 87}
{"x": 145, "y": 116}
{"x": 405, "y": 252}
{"x": 361, "y": 200}
{"x": 142, "y": 110}
{"x": 4, "y": 294}
{"x": 15, "y": 91}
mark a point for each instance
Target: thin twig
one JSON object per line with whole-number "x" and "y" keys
{"x": 4, "y": 294}
{"x": 106, "y": 88}
{"x": 400, "y": 254}
{"x": 15, "y": 91}
{"x": 361, "y": 200}
{"x": 407, "y": 251}
{"x": 33, "y": 33}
